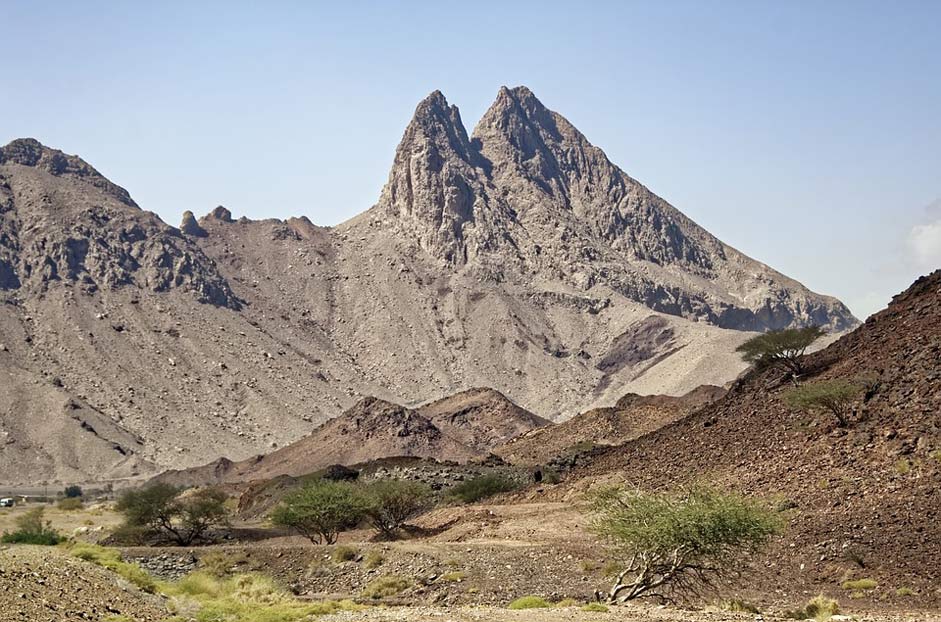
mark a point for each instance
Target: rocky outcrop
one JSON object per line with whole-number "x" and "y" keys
{"x": 190, "y": 226}
{"x": 64, "y": 222}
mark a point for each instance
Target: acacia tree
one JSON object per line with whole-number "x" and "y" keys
{"x": 675, "y": 545}
{"x": 782, "y": 348}
{"x": 321, "y": 510}
{"x": 184, "y": 517}
{"x": 392, "y": 502}
{"x": 833, "y": 396}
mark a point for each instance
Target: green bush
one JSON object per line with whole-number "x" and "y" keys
{"x": 72, "y": 492}
{"x": 392, "y": 502}
{"x": 31, "y": 528}
{"x": 373, "y": 560}
{"x": 833, "y": 396}
{"x": 183, "y": 517}
{"x": 905, "y": 591}
{"x": 529, "y": 602}
{"x": 473, "y": 490}
{"x": 221, "y": 563}
{"x": 860, "y": 584}
{"x": 321, "y": 509}
{"x": 385, "y": 586}
{"x": 676, "y": 543}
{"x": 595, "y": 608}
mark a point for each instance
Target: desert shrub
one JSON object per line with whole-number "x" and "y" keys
{"x": 72, "y": 492}
{"x": 859, "y": 584}
{"x": 455, "y": 576}
{"x": 321, "y": 509}
{"x": 183, "y": 517}
{"x": 905, "y": 591}
{"x": 221, "y": 563}
{"x": 70, "y": 504}
{"x": 111, "y": 559}
{"x": 595, "y": 608}
{"x": 936, "y": 454}
{"x": 473, "y": 490}
{"x": 529, "y": 602}
{"x": 567, "y": 602}
{"x": 781, "y": 348}
{"x": 677, "y": 544}
{"x": 903, "y": 467}
{"x": 344, "y": 554}
{"x": 833, "y": 396}
{"x": 373, "y": 560}
{"x": 738, "y": 605}
{"x": 819, "y": 608}
{"x": 385, "y": 586}
{"x": 392, "y": 502}
{"x": 32, "y": 528}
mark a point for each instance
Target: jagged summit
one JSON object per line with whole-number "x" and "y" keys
{"x": 528, "y": 196}
{"x": 32, "y": 153}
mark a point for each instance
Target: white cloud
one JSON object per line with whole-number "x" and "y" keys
{"x": 924, "y": 244}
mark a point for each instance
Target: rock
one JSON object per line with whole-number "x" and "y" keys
{"x": 189, "y": 226}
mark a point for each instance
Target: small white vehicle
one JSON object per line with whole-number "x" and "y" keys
{"x": 6, "y": 502}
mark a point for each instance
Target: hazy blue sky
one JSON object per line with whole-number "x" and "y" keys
{"x": 806, "y": 134}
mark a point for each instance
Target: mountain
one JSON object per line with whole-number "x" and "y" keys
{"x": 518, "y": 258}
{"x": 862, "y": 499}
{"x": 458, "y": 428}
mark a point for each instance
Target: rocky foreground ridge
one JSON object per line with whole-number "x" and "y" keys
{"x": 517, "y": 258}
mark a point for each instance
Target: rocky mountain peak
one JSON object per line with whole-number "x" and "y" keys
{"x": 435, "y": 187}
{"x": 30, "y": 152}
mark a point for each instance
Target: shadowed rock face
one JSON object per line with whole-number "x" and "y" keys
{"x": 528, "y": 196}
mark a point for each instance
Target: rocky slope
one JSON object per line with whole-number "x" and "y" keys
{"x": 518, "y": 258}
{"x": 862, "y": 500}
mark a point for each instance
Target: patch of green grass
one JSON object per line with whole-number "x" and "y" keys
{"x": 343, "y": 554}
{"x": 860, "y": 584}
{"x": 248, "y": 597}
{"x": 453, "y": 577}
{"x": 905, "y": 591}
{"x": 903, "y": 467}
{"x": 386, "y": 586}
{"x": 220, "y": 564}
{"x": 111, "y": 559}
{"x": 529, "y": 602}
{"x": 595, "y": 608}
{"x": 373, "y": 559}
{"x": 567, "y": 602}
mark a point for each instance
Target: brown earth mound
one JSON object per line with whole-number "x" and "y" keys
{"x": 863, "y": 501}
{"x": 459, "y": 428}
{"x": 633, "y": 416}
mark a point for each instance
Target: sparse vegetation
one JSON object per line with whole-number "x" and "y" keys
{"x": 903, "y": 467}
{"x": 738, "y": 605}
{"x": 595, "y": 608}
{"x": 455, "y": 576}
{"x": 221, "y": 564}
{"x": 373, "y": 560}
{"x": 72, "y": 492}
{"x": 904, "y": 591}
{"x": 111, "y": 559}
{"x": 529, "y": 602}
{"x": 32, "y": 528}
{"x": 676, "y": 544}
{"x": 70, "y": 504}
{"x": 833, "y": 396}
{"x": 860, "y": 584}
{"x": 183, "y": 517}
{"x": 321, "y": 509}
{"x": 781, "y": 348}
{"x": 386, "y": 586}
{"x": 390, "y": 503}
{"x": 246, "y": 597}
{"x": 819, "y": 608}
{"x": 474, "y": 490}
{"x": 343, "y": 554}
{"x": 567, "y": 602}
